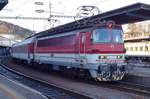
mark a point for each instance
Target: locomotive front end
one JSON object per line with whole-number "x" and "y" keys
{"x": 107, "y": 53}
{"x": 111, "y": 68}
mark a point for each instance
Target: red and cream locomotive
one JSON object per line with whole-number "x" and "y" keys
{"x": 84, "y": 45}
{"x": 99, "y": 49}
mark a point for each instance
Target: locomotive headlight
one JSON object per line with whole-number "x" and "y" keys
{"x": 119, "y": 57}
{"x": 103, "y": 57}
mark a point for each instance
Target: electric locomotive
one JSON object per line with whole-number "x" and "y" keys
{"x": 98, "y": 49}
{"x": 93, "y": 44}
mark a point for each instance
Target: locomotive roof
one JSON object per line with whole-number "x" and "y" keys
{"x": 128, "y": 14}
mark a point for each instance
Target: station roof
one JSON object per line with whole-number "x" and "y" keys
{"x": 128, "y": 14}
{"x": 3, "y": 3}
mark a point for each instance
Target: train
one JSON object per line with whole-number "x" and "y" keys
{"x": 97, "y": 49}
{"x": 92, "y": 45}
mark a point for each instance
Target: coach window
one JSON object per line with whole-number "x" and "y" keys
{"x": 141, "y": 48}
{"x": 127, "y": 48}
{"x": 146, "y": 48}
{"x": 131, "y": 48}
{"x": 136, "y": 48}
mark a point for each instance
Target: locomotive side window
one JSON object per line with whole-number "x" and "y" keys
{"x": 58, "y": 41}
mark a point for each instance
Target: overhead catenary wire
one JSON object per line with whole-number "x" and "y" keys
{"x": 39, "y": 18}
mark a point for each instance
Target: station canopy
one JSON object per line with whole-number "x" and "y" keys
{"x": 129, "y": 14}
{"x": 3, "y": 3}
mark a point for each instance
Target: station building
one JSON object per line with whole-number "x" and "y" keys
{"x": 4, "y": 48}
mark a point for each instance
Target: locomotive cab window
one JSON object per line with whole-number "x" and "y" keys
{"x": 105, "y": 35}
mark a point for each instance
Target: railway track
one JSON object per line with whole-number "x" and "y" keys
{"x": 126, "y": 87}
{"x": 133, "y": 87}
{"x": 117, "y": 85}
{"x": 49, "y": 90}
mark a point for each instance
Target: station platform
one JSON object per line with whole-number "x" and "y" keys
{"x": 141, "y": 70}
{"x": 138, "y": 73}
{"x": 12, "y": 90}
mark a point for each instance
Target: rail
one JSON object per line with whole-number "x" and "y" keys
{"x": 70, "y": 92}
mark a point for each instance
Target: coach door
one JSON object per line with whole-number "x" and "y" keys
{"x": 81, "y": 45}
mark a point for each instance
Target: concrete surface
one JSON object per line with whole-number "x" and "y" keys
{"x": 12, "y": 90}
{"x": 95, "y": 91}
{"x": 141, "y": 70}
